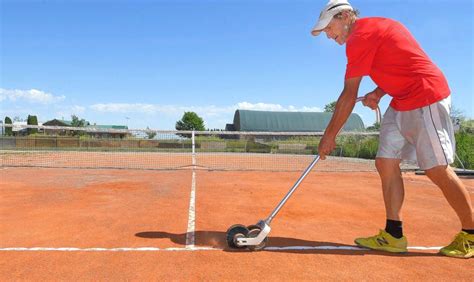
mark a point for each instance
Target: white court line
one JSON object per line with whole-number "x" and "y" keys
{"x": 425, "y": 248}
{"x": 188, "y": 248}
{"x": 140, "y": 249}
{"x": 350, "y": 248}
{"x": 192, "y": 214}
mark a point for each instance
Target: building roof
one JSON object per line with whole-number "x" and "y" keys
{"x": 247, "y": 120}
{"x": 20, "y": 125}
{"x": 99, "y": 126}
{"x": 58, "y": 122}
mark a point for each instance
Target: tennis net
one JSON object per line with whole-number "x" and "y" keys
{"x": 88, "y": 147}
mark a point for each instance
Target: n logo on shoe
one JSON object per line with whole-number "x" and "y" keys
{"x": 470, "y": 244}
{"x": 382, "y": 241}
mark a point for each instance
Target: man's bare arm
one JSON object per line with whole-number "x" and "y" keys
{"x": 344, "y": 106}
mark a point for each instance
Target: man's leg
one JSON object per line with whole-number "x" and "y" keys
{"x": 458, "y": 197}
{"x": 455, "y": 192}
{"x": 391, "y": 239}
{"x": 435, "y": 147}
{"x": 392, "y": 186}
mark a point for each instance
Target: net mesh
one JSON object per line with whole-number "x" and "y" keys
{"x": 66, "y": 147}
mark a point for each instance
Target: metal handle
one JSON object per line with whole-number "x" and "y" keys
{"x": 305, "y": 172}
{"x": 378, "y": 114}
{"x": 288, "y": 195}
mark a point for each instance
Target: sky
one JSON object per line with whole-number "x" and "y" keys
{"x": 143, "y": 63}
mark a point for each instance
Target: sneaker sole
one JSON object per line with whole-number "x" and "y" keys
{"x": 385, "y": 249}
{"x": 456, "y": 256}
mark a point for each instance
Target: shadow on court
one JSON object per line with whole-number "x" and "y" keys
{"x": 216, "y": 239}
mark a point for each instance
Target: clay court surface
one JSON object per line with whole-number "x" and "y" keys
{"x": 95, "y": 224}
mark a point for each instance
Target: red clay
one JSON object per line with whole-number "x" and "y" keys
{"x": 133, "y": 208}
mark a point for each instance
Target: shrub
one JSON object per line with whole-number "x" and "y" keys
{"x": 368, "y": 148}
{"x": 465, "y": 149}
{"x": 350, "y": 146}
{"x": 8, "y": 130}
{"x": 32, "y": 120}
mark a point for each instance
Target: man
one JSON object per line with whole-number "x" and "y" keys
{"x": 416, "y": 126}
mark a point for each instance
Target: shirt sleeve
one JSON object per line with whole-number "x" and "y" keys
{"x": 360, "y": 56}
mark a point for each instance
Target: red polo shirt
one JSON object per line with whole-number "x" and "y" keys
{"x": 386, "y": 51}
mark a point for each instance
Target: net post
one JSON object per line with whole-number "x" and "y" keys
{"x": 193, "y": 148}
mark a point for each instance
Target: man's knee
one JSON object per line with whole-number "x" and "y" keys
{"x": 387, "y": 166}
{"x": 438, "y": 172}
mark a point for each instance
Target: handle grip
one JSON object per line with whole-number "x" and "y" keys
{"x": 378, "y": 117}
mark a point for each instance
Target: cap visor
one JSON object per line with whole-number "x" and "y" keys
{"x": 315, "y": 32}
{"x": 320, "y": 25}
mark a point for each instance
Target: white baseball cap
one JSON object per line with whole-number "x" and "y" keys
{"x": 333, "y": 7}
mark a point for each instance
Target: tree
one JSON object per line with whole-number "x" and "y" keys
{"x": 458, "y": 118}
{"x": 374, "y": 127}
{"x": 32, "y": 120}
{"x": 76, "y": 122}
{"x": 9, "y": 129}
{"x": 457, "y": 114}
{"x": 150, "y": 133}
{"x": 329, "y": 108}
{"x": 190, "y": 121}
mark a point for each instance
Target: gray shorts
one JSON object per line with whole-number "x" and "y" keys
{"x": 424, "y": 135}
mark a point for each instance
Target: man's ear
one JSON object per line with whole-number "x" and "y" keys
{"x": 346, "y": 14}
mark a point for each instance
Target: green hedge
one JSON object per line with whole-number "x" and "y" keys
{"x": 465, "y": 149}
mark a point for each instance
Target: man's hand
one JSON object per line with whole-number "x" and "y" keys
{"x": 344, "y": 106}
{"x": 326, "y": 146}
{"x": 372, "y": 99}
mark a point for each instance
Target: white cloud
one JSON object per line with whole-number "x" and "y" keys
{"x": 125, "y": 108}
{"x": 211, "y": 110}
{"x": 68, "y": 111}
{"x": 78, "y": 109}
{"x": 32, "y": 96}
{"x": 275, "y": 107}
{"x": 138, "y": 114}
{"x": 259, "y": 106}
{"x": 153, "y": 109}
{"x": 214, "y": 116}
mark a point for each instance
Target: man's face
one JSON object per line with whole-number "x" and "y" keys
{"x": 335, "y": 30}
